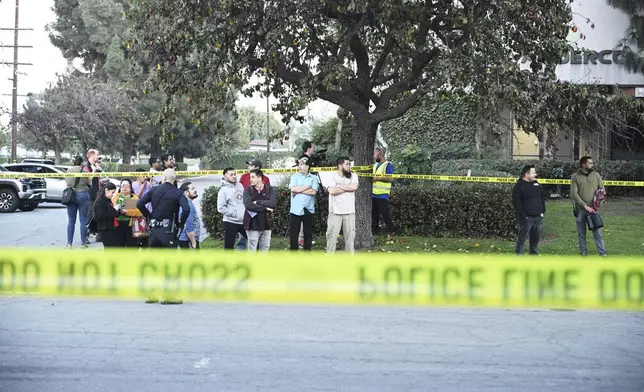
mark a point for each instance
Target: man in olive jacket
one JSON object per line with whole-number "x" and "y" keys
{"x": 585, "y": 184}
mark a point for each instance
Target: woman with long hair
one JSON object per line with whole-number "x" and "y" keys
{"x": 106, "y": 214}
{"x": 124, "y": 228}
{"x": 80, "y": 206}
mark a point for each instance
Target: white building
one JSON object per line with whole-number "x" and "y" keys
{"x": 597, "y": 61}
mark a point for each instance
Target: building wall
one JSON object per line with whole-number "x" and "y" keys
{"x": 596, "y": 61}
{"x": 524, "y": 145}
{"x": 610, "y": 27}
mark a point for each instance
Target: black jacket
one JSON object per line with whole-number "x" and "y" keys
{"x": 265, "y": 199}
{"x": 165, "y": 199}
{"x": 529, "y": 199}
{"x": 104, "y": 213}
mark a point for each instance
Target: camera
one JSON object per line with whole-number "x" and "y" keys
{"x": 318, "y": 156}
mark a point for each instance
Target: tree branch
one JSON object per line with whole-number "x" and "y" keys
{"x": 400, "y": 109}
{"x": 256, "y": 37}
{"x": 345, "y": 100}
{"x": 386, "y": 50}
{"x": 419, "y": 63}
{"x": 385, "y": 79}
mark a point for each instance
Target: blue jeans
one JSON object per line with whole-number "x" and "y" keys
{"x": 581, "y": 234}
{"x": 80, "y": 206}
{"x": 241, "y": 244}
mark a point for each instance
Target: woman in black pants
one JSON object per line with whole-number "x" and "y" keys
{"x": 105, "y": 214}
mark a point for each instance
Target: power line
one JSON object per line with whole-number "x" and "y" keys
{"x": 14, "y": 91}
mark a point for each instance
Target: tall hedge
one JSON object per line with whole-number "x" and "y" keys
{"x": 548, "y": 168}
{"x": 238, "y": 159}
{"x": 460, "y": 210}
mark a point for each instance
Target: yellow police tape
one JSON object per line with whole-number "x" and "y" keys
{"x": 196, "y": 173}
{"x": 552, "y": 181}
{"x": 363, "y": 171}
{"x": 315, "y": 278}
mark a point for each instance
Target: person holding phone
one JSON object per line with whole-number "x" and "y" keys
{"x": 106, "y": 214}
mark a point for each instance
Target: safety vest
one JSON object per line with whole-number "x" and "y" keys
{"x": 381, "y": 187}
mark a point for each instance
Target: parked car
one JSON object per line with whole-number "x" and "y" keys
{"x": 34, "y": 160}
{"x": 55, "y": 185}
{"x": 20, "y": 193}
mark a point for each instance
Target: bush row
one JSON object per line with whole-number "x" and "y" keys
{"x": 548, "y": 168}
{"x": 180, "y": 166}
{"x": 461, "y": 210}
{"x": 238, "y": 159}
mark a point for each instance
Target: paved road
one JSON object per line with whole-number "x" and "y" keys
{"x": 68, "y": 345}
{"x": 47, "y": 225}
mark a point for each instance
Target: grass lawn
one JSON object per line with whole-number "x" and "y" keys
{"x": 623, "y": 234}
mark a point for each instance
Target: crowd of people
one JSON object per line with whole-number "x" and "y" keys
{"x": 153, "y": 211}
{"x": 124, "y": 216}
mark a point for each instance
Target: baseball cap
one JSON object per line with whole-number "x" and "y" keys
{"x": 305, "y": 160}
{"x": 255, "y": 162}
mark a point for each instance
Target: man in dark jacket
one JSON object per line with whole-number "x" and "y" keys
{"x": 260, "y": 201}
{"x": 529, "y": 201}
{"x": 92, "y": 165}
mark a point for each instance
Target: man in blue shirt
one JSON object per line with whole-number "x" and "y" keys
{"x": 189, "y": 237}
{"x": 304, "y": 186}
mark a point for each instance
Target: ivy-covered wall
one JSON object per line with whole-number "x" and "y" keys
{"x": 438, "y": 122}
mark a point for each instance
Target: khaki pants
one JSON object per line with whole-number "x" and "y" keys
{"x": 347, "y": 223}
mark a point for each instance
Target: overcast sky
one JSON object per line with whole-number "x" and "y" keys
{"x": 48, "y": 61}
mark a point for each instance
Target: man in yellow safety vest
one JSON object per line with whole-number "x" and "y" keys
{"x": 381, "y": 191}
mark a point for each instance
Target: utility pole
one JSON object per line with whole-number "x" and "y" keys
{"x": 268, "y": 133}
{"x": 14, "y": 92}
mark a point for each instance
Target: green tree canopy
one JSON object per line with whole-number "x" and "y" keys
{"x": 375, "y": 58}
{"x": 252, "y": 124}
{"x": 97, "y": 32}
{"x": 81, "y": 110}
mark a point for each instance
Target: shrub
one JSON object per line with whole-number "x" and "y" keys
{"x": 548, "y": 168}
{"x": 238, "y": 159}
{"x": 180, "y": 166}
{"x": 478, "y": 211}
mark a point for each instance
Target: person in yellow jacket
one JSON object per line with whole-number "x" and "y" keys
{"x": 380, "y": 192}
{"x": 124, "y": 227}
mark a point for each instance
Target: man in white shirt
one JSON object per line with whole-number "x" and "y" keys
{"x": 342, "y": 206}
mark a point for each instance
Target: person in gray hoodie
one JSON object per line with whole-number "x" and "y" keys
{"x": 230, "y": 203}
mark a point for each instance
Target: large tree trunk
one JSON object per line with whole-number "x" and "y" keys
{"x": 57, "y": 156}
{"x": 364, "y": 140}
{"x": 126, "y": 154}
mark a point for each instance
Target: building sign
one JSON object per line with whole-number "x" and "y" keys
{"x": 578, "y": 57}
{"x": 592, "y": 57}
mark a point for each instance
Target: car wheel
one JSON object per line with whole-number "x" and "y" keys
{"x": 8, "y": 200}
{"x": 28, "y": 207}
